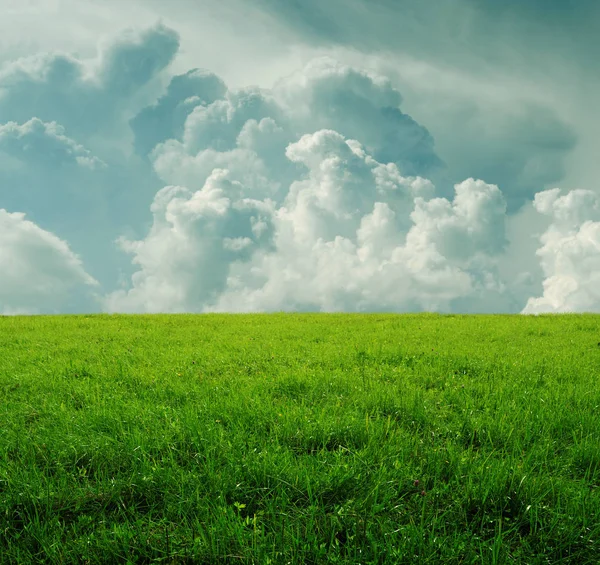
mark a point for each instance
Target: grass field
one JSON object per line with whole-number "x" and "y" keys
{"x": 300, "y": 439}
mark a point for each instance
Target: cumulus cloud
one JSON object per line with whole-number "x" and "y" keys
{"x": 346, "y": 224}
{"x": 347, "y": 242}
{"x": 45, "y": 144}
{"x": 570, "y": 253}
{"x": 521, "y": 150}
{"x": 166, "y": 117}
{"x": 312, "y": 195}
{"x": 39, "y": 273}
{"x": 84, "y": 96}
{"x": 65, "y": 154}
{"x": 351, "y": 234}
{"x": 252, "y": 126}
{"x": 184, "y": 260}
{"x": 359, "y": 105}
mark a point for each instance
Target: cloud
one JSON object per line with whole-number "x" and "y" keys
{"x": 521, "y": 147}
{"x": 348, "y": 231}
{"x": 359, "y": 105}
{"x": 351, "y": 234}
{"x": 247, "y": 130}
{"x": 39, "y": 273}
{"x": 84, "y": 96}
{"x": 165, "y": 119}
{"x": 309, "y": 195}
{"x": 357, "y": 236}
{"x": 44, "y": 144}
{"x": 246, "y": 133}
{"x": 570, "y": 253}
{"x": 65, "y": 154}
{"x": 184, "y": 260}
{"x": 467, "y": 33}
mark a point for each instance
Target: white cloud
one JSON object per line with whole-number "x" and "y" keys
{"x": 38, "y": 271}
{"x": 389, "y": 255}
{"x": 42, "y": 144}
{"x": 347, "y": 232}
{"x": 360, "y": 105}
{"x": 570, "y": 253}
{"x": 248, "y": 130}
{"x": 87, "y": 96}
{"x": 311, "y": 195}
{"x": 351, "y": 234}
{"x": 184, "y": 260}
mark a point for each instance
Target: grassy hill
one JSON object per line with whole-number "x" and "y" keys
{"x": 300, "y": 439}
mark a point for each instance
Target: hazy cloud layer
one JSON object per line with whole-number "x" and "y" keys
{"x": 522, "y": 148}
{"x": 469, "y": 33}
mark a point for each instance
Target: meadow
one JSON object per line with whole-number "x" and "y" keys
{"x": 300, "y": 439}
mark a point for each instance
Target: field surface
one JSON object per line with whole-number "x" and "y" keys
{"x": 299, "y": 439}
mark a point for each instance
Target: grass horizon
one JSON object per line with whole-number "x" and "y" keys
{"x": 300, "y": 438}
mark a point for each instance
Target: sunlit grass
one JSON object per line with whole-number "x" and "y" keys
{"x": 300, "y": 439}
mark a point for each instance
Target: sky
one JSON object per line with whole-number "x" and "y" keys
{"x": 287, "y": 155}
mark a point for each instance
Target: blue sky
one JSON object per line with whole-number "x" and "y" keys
{"x": 268, "y": 155}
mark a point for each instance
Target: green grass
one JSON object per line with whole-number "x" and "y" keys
{"x": 300, "y": 439}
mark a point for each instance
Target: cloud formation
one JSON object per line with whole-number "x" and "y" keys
{"x": 166, "y": 117}
{"x": 44, "y": 144}
{"x": 359, "y": 105}
{"x": 320, "y": 193}
{"x": 65, "y": 159}
{"x": 346, "y": 226}
{"x": 184, "y": 260}
{"x": 39, "y": 273}
{"x": 351, "y": 234}
{"x": 570, "y": 252}
{"x": 85, "y": 96}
